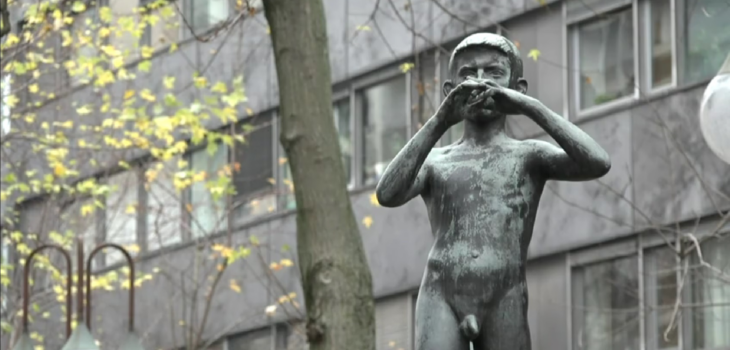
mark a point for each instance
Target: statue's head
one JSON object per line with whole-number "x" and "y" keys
{"x": 486, "y": 56}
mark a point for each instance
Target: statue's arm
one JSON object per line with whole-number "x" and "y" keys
{"x": 406, "y": 176}
{"x": 579, "y": 156}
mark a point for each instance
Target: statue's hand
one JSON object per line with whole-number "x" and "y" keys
{"x": 456, "y": 104}
{"x": 506, "y": 100}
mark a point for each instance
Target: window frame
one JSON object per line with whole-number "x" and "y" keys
{"x": 639, "y": 245}
{"x": 187, "y": 217}
{"x": 273, "y": 115}
{"x": 572, "y": 51}
{"x": 137, "y": 175}
{"x": 356, "y": 88}
{"x": 645, "y": 53}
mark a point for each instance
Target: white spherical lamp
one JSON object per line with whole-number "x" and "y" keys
{"x": 715, "y": 113}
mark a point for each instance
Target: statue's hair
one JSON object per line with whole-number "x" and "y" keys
{"x": 493, "y": 41}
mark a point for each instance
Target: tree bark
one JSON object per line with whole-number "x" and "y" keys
{"x": 335, "y": 275}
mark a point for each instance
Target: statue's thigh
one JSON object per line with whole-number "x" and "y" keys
{"x": 506, "y": 326}
{"x": 436, "y": 326}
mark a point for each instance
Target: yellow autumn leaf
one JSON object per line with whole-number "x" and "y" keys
{"x": 132, "y": 248}
{"x": 220, "y": 87}
{"x": 200, "y": 82}
{"x": 363, "y": 28}
{"x": 234, "y": 286}
{"x": 33, "y": 88}
{"x": 282, "y": 161}
{"x": 128, "y": 94}
{"x": 147, "y": 51}
{"x": 534, "y": 54}
{"x": 374, "y": 199}
{"x": 406, "y": 67}
{"x": 286, "y": 262}
{"x": 83, "y": 110}
{"x": 367, "y": 221}
{"x": 87, "y": 209}
{"x": 275, "y": 266}
{"x": 169, "y": 82}
{"x": 147, "y": 95}
{"x": 59, "y": 170}
{"x": 11, "y": 101}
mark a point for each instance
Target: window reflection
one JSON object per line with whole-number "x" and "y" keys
{"x": 661, "y": 286}
{"x": 254, "y": 169}
{"x": 383, "y": 112}
{"x": 606, "y": 309}
{"x": 207, "y": 212}
{"x": 710, "y": 319}
{"x": 661, "y": 43}
{"x": 707, "y": 38}
{"x": 606, "y": 54}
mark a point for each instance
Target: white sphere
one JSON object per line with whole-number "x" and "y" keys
{"x": 715, "y": 114}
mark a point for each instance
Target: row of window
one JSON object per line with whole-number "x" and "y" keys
{"x": 620, "y": 303}
{"x": 624, "y": 49}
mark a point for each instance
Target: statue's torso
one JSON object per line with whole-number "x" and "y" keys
{"x": 482, "y": 203}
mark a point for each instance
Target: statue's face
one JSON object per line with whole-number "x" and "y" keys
{"x": 481, "y": 64}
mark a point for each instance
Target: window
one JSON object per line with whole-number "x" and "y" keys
{"x": 706, "y": 38}
{"x": 163, "y": 206}
{"x": 660, "y": 36}
{"x": 341, "y": 110}
{"x": 660, "y": 286}
{"x": 121, "y": 214}
{"x": 605, "y": 55}
{"x": 606, "y": 305}
{"x": 606, "y": 300}
{"x": 204, "y": 14}
{"x": 207, "y": 212}
{"x": 254, "y": 168}
{"x": 159, "y": 30}
{"x": 384, "y": 112}
{"x": 709, "y": 319}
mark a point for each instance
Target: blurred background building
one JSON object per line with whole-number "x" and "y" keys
{"x": 602, "y": 271}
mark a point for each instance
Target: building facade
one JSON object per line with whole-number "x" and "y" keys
{"x": 603, "y": 269}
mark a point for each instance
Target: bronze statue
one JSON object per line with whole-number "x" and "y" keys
{"x": 482, "y": 194}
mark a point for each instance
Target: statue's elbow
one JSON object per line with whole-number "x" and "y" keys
{"x": 385, "y": 197}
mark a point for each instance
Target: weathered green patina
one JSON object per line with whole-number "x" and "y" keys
{"x": 482, "y": 194}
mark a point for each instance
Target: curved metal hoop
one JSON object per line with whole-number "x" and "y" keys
{"x": 131, "y": 282}
{"x": 26, "y": 289}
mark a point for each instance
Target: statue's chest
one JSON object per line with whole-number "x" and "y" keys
{"x": 488, "y": 175}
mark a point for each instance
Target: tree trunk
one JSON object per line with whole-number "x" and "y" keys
{"x": 335, "y": 276}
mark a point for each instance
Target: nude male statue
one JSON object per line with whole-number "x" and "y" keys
{"x": 482, "y": 194}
